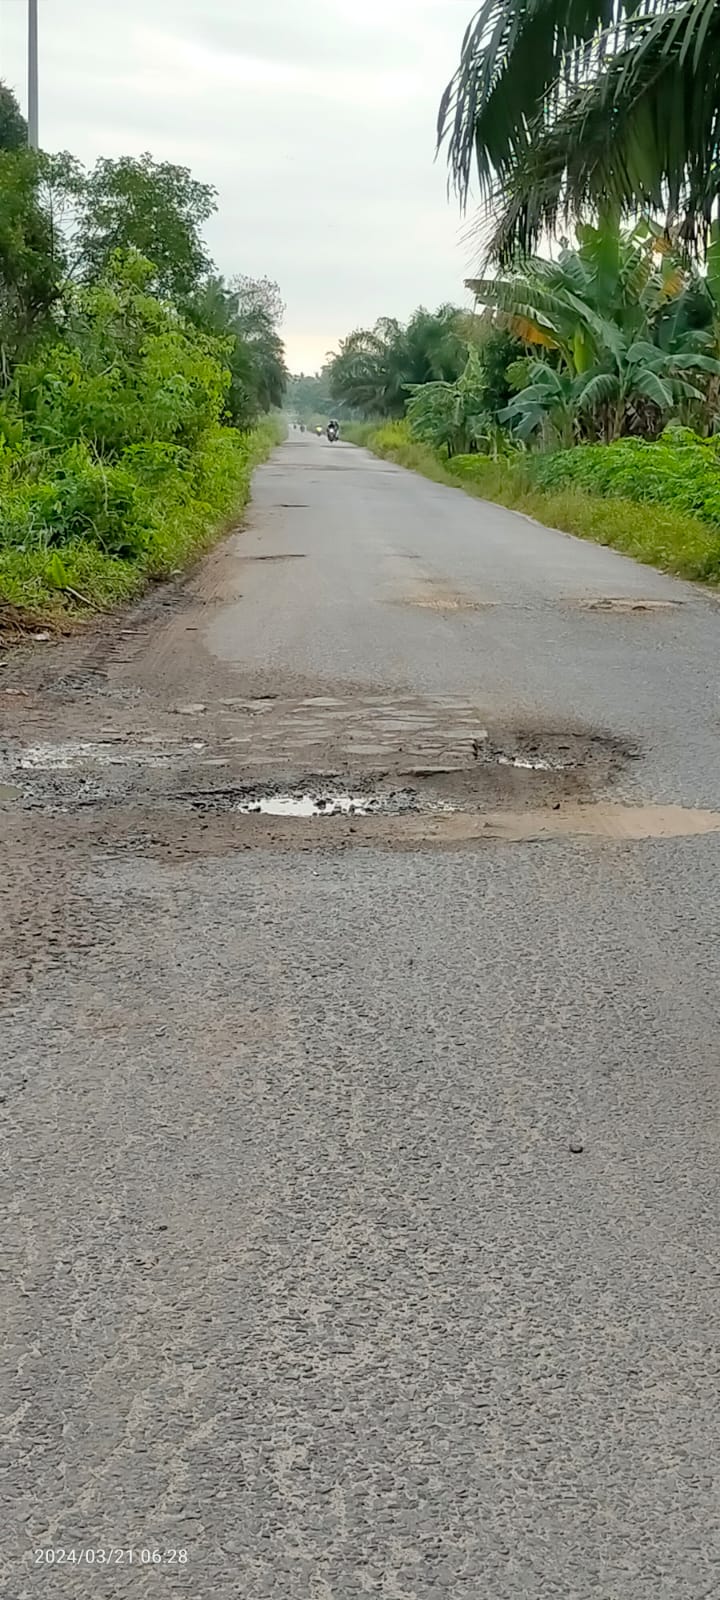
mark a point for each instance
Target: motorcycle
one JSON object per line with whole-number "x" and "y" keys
{"x": 333, "y": 432}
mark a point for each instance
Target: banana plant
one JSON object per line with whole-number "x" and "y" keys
{"x": 454, "y": 416}
{"x": 635, "y": 391}
{"x": 620, "y": 324}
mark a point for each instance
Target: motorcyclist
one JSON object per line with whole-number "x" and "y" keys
{"x": 333, "y": 429}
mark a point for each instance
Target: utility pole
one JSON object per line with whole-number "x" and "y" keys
{"x": 33, "y": 132}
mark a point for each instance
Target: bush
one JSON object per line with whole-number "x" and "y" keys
{"x": 102, "y": 531}
{"x": 127, "y": 371}
{"x": 80, "y": 499}
{"x": 112, "y": 452}
{"x": 679, "y": 470}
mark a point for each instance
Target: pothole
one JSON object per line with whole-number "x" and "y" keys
{"x": 549, "y": 752}
{"x": 625, "y": 603}
{"x": 307, "y": 801}
{"x": 277, "y": 776}
{"x": 448, "y": 602}
{"x": 286, "y": 555}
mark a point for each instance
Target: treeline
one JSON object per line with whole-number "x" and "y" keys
{"x": 133, "y": 376}
{"x": 617, "y": 336}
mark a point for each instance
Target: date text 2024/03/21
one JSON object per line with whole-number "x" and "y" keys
{"x": 108, "y": 1556}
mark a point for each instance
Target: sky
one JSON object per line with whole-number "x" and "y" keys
{"x": 314, "y": 121}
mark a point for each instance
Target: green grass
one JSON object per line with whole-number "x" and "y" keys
{"x": 661, "y": 535}
{"x": 58, "y": 584}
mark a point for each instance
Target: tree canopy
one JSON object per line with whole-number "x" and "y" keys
{"x": 13, "y": 127}
{"x": 153, "y": 207}
{"x": 374, "y": 368}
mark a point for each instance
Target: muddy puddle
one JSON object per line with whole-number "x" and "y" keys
{"x": 322, "y": 803}
{"x": 308, "y": 805}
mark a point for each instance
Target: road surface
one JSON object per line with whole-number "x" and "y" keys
{"x": 361, "y": 1171}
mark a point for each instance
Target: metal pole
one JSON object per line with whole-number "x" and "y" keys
{"x": 33, "y": 74}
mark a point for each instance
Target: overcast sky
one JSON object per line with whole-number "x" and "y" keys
{"x": 313, "y": 118}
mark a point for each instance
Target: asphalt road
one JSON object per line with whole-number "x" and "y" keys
{"x": 361, "y": 1203}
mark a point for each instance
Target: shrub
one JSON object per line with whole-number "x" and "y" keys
{"x": 679, "y": 470}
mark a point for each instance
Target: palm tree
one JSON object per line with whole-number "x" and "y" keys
{"x": 236, "y": 313}
{"x": 375, "y": 368}
{"x": 567, "y": 107}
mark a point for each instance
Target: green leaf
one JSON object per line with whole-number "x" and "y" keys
{"x": 598, "y": 390}
{"x": 653, "y": 388}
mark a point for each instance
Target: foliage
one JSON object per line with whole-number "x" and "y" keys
{"x": 116, "y": 386}
{"x": 308, "y": 396}
{"x": 244, "y": 313}
{"x": 680, "y": 470}
{"x": 152, "y": 207}
{"x": 127, "y": 371}
{"x": 622, "y": 330}
{"x": 375, "y": 368}
{"x": 454, "y": 416}
{"x": 499, "y": 349}
{"x": 31, "y": 258}
{"x": 566, "y": 109}
{"x": 13, "y": 127}
{"x": 104, "y": 529}
{"x": 115, "y": 429}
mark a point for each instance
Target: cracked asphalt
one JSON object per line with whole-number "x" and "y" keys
{"x": 360, "y": 1205}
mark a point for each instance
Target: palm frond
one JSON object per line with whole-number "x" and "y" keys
{"x": 513, "y": 56}
{"x": 641, "y": 130}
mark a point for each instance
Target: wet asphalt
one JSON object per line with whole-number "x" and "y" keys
{"x": 361, "y": 1207}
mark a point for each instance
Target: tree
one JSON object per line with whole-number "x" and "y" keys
{"x": 152, "y": 207}
{"x": 31, "y": 257}
{"x": 599, "y": 105}
{"x": 127, "y": 372}
{"x": 308, "y": 396}
{"x": 260, "y": 299}
{"x": 452, "y": 416}
{"x": 13, "y": 127}
{"x": 375, "y": 368}
{"x": 243, "y": 314}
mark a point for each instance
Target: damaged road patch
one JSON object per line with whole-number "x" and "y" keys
{"x": 624, "y": 604}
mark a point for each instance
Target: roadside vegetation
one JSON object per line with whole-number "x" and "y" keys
{"x": 585, "y": 386}
{"x": 136, "y": 385}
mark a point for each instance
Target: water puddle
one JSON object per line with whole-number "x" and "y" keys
{"x": 9, "y": 791}
{"x": 527, "y": 764}
{"x": 308, "y": 805}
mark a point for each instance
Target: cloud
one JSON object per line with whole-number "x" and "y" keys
{"x": 315, "y": 123}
